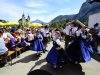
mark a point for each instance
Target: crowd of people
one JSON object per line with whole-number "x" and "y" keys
{"x": 78, "y": 47}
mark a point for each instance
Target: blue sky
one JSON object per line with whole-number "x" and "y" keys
{"x": 44, "y": 10}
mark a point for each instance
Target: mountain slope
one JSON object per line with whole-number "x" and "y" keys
{"x": 38, "y": 21}
{"x": 85, "y": 10}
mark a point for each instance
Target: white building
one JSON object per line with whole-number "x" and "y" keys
{"x": 93, "y": 19}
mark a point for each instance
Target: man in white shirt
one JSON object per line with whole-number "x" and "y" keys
{"x": 3, "y": 48}
{"x": 68, "y": 33}
{"x": 45, "y": 34}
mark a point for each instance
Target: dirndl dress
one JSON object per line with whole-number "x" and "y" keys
{"x": 79, "y": 50}
{"x": 55, "y": 56}
{"x": 37, "y": 44}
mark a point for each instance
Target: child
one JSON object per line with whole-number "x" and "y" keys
{"x": 56, "y": 56}
{"x": 38, "y": 44}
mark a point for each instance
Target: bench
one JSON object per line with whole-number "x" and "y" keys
{"x": 8, "y": 56}
{"x": 11, "y": 52}
{"x": 18, "y": 50}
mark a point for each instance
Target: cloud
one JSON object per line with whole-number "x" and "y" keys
{"x": 36, "y": 11}
{"x": 62, "y": 1}
{"x": 34, "y": 3}
{"x": 44, "y": 10}
{"x": 13, "y": 12}
{"x": 48, "y": 18}
{"x": 9, "y": 10}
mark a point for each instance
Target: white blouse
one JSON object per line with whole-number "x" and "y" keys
{"x": 74, "y": 29}
{"x": 79, "y": 32}
{"x": 59, "y": 43}
{"x": 44, "y": 32}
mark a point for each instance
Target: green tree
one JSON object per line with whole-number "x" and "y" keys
{"x": 60, "y": 24}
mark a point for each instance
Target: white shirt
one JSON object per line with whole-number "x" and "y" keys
{"x": 79, "y": 32}
{"x": 45, "y": 31}
{"x": 3, "y": 48}
{"x": 74, "y": 29}
{"x": 4, "y": 35}
{"x": 68, "y": 29}
{"x": 42, "y": 29}
{"x": 30, "y": 37}
{"x": 59, "y": 43}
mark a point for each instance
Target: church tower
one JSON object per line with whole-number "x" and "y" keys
{"x": 23, "y": 19}
{"x": 28, "y": 18}
{"x": 28, "y": 21}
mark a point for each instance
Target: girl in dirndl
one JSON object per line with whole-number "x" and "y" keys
{"x": 80, "y": 50}
{"x": 56, "y": 55}
{"x": 38, "y": 44}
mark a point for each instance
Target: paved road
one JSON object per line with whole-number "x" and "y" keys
{"x": 29, "y": 62}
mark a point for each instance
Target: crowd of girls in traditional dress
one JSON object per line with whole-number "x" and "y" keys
{"x": 77, "y": 47}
